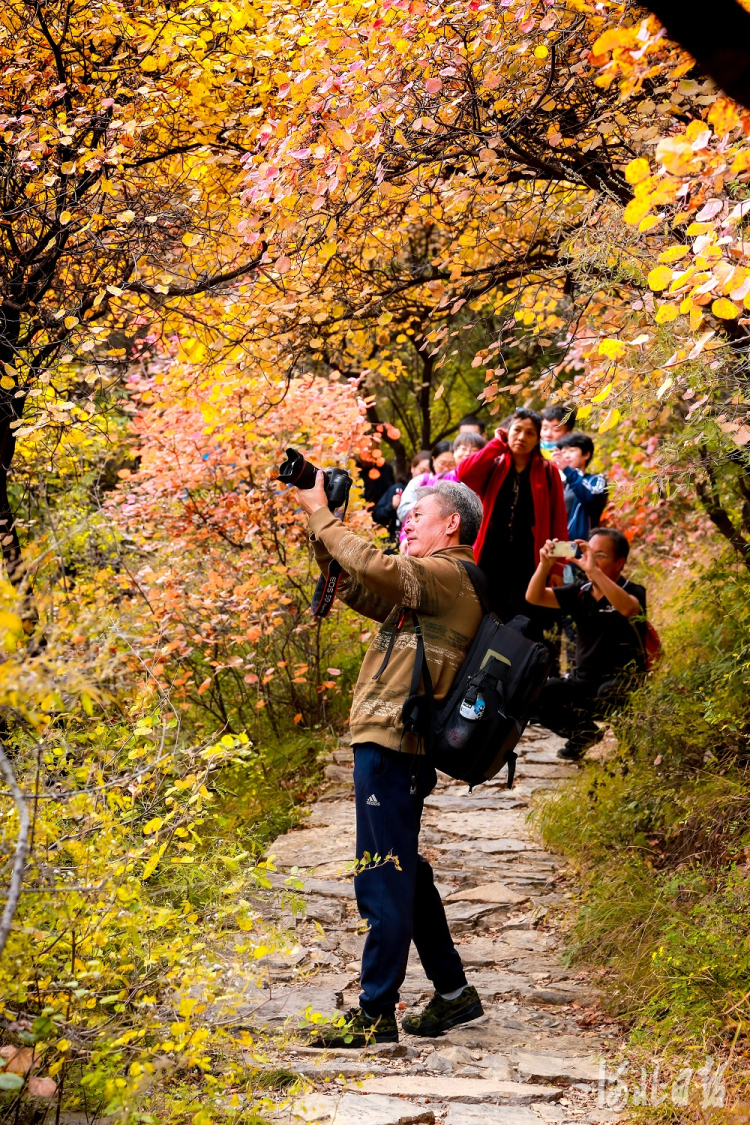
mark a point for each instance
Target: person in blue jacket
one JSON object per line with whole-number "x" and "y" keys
{"x": 586, "y": 493}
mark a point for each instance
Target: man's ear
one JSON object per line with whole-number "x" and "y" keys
{"x": 454, "y": 523}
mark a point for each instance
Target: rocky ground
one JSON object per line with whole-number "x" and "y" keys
{"x": 538, "y": 1055}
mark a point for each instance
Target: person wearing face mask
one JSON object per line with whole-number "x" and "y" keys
{"x": 523, "y": 507}
{"x": 557, "y": 421}
{"x": 585, "y": 493}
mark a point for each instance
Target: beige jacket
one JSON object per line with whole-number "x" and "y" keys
{"x": 378, "y": 585}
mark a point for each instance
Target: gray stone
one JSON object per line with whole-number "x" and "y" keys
{"x": 479, "y": 824}
{"x": 357, "y": 1109}
{"x": 556, "y": 1068}
{"x": 467, "y": 803}
{"x": 468, "y": 911}
{"x": 545, "y": 770}
{"x": 326, "y": 911}
{"x": 529, "y": 939}
{"x": 461, "y": 1089}
{"x": 550, "y": 1112}
{"x": 341, "y": 888}
{"x": 290, "y": 1003}
{"x": 321, "y": 1070}
{"x": 310, "y": 847}
{"x": 338, "y": 773}
{"x": 561, "y": 995}
{"x": 485, "y": 952}
{"x": 467, "y": 1114}
{"x": 495, "y": 893}
{"x": 508, "y": 844}
{"x": 499, "y": 982}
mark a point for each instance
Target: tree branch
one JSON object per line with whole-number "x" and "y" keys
{"x": 22, "y": 847}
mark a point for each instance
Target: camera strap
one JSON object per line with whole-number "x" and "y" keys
{"x": 325, "y": 590}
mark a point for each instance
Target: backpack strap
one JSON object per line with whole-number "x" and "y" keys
{"x": 391, "y": 642}
{"x": 479, "y": 582}
{"x": 416, "y": 713}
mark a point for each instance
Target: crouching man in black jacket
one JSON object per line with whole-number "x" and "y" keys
{"x": 609, "y": 613}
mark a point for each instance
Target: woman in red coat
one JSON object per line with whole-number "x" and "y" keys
{"x": 524, "y": 506}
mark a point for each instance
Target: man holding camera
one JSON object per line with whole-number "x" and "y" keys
{"x": 609, "y": 613}
{"x": 427, "y": 589}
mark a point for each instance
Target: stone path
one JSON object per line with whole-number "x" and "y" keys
{"x": 533, "y": 1058}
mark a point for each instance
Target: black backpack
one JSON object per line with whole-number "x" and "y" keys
{"x": 505, "y": 671}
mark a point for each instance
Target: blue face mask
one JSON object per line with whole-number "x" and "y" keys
{"x": 548, "y": 445}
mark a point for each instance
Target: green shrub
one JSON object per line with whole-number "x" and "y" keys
{"x": 661, "y": 833}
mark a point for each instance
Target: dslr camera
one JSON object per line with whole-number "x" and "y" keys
{"x": 302, "y": 473}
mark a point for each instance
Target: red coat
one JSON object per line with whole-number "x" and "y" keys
{"x": 485, "y": 471}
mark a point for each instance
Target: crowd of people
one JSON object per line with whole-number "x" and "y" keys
{"x": 536, "y": 487}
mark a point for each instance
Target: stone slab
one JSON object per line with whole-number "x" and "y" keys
{"x": 462, "y": 1089}
{"x": 529, "y": 939}
{"x": 290, "y": 1003}
{"x": 506, "y": 844}
{"x": 482, "y": 953}
{"x": 495, "y": 893}
{"x": 467, "y": 1114}
{"x": 556, "y": 1068}
{"x": 358, "y": 1109}
{"x": 311, "y": 847}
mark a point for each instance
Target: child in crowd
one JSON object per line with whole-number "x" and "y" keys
{"x": 557, "y": 421}
{"x": 446, "y": 457}
{"x": 585, "y": 493}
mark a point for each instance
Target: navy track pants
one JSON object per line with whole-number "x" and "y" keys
{"x": 399, "y": 900}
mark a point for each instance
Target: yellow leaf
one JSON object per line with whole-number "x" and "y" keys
{"x": 650, "y": 222}
{"x": 725, "y": 309}
{"x": 190, "y": 239}
{"x": 602, "y": 394}
{"x": 65, "y": 217}
{"x": 152, "y": 826}
{"x": 636, "y": 210}
{"x": 342, "y": 139}
{"x": 541, "y": 52}
{"x": 126, "y": 216}
{"x": 611, "y": 420}
{"x": 70, "y": 321}
{"x": 187, "y": 1003}
{"x": 673, "y": 254}
{"x": 637, "y": 170}
{"x": 327, "y": 250}
{"x": 584, "y": 411}
{"x": 151, "y": 865}
{"x": 439, "y": 391}
{"x": 612, "y": 349}
{"x": 7, "y": 383}
{"x": 666, "y": 313}
{"x": 659, "y": 278}
{"x": 10, "y": 621}
{"x": 723, "y": 115}
{"x": 696, "y": 316}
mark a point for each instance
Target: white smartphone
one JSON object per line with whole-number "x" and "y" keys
{"x": 564, "y": 550}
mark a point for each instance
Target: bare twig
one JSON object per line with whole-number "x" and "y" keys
{"x": 22, "y": 847}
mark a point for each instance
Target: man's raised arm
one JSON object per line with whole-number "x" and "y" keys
{"x": 538, "y": 592}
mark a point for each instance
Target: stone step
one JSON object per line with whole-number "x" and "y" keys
{"x": 493, "y": 1090}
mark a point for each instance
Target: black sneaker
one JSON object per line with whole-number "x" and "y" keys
{"x": 357, "y": 1029}
{"x": 441, "y": 1014}
{"x": 572, "y": 751}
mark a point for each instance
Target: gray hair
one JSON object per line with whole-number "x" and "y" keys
{"x": 459, "y": 498}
